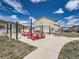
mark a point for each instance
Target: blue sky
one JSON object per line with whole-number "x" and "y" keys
{"x": 66, "y": 12}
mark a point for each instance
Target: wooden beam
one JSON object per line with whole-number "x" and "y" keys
{"x": 23, "y": 28}
{"x": 16, "y": 30}
{"x": 42, "y": 29}
{"x": 10, "y": 29}
{"x": 7, "y": 28}
{"x": 49, "y": 30}
{"x": 31, "y": 26}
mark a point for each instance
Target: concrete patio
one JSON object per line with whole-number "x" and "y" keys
{"x": 48, "y": 48}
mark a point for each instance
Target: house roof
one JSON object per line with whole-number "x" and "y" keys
{"x": 47, "y": 19}
{"x": 1, "y": 20}
{"x": 45, "y": 22}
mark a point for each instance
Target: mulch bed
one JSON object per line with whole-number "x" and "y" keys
{"x": 13, "y": 49}
{"x": 67, "y": 34}
{"x": 70, "y": 51}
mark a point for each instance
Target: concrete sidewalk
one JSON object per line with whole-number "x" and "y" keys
{"x": 48, "y": 48}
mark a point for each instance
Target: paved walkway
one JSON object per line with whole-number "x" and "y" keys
{"x": 48, "y": 48}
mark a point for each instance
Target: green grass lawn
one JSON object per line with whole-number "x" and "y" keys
{"x": 70, "y": 51}
{"x": 67, "y": 34}
{"x": 12, "y": 49}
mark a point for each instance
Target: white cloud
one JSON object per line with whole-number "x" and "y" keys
{"x": 24, "y": 22}
{"x": 33, "y": 19}
{"x": 72, "y": 20}
{"x": 4, "y": 18}
{"x": 62, "y": 23}
{"x": 69, "y": 21}
{"x": 70, "y": 17}
{"x": 14, "y": 16}
{"x": 27, "y": 22}
{"x": 17, "y": 6}
{"x": 72, "y": 5}
{"x": 60, "y": 11}
{"x": 37, "y": 1}
{"x": 2, "y": 7}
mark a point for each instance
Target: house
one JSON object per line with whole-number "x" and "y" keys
{"x": 5, "y": 26}
{"x": 46, "y": 24}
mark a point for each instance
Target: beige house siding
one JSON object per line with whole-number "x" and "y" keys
{"x": 37, "y": 28}
{"x": 46, "y": 23}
